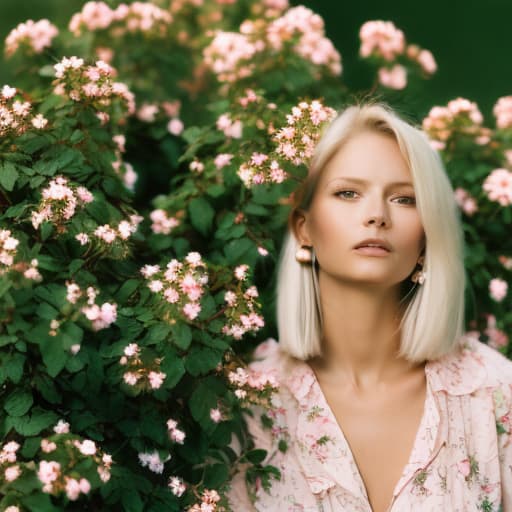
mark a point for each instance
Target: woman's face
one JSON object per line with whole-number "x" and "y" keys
{"x": 364, "y": 192}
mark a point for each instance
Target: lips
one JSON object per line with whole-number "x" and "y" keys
{"x": 374, "y": 242}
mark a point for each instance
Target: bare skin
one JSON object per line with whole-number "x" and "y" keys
{"x": 376, "y": 396}
{"x": 380, "y": 425}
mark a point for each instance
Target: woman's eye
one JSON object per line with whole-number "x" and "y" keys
{"x": 347, "y": 194}
{"x": 406, "y": 200}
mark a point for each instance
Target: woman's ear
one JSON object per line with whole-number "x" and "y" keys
{"x": 300, "y": 228}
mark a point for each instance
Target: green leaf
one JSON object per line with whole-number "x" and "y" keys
{"x": 132, "y": 501}
{"x": 181, "y": 335}
{"x": 126, "y": 290}
{"x": 39, "y": 503}
{"x": 157, "y": 333}
{"x": 203, "y": 399}
{"x": 256, "y": 456}
{"x": 32, "y": 424}
{"x": 14, "y": 367}
{"x": 8, "y": 176}
{"x": 215, "y": 475}
{"x": 201, "y": 360}
{"x": 31, "y": 447}
{"x": 18, "y": 402}
{"x": 46, "y": 230}
{"x": 201, "y": 215}
{"x": 174, "y": 370}
{"x": 237, "y": 250}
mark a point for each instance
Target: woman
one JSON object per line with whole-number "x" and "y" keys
{"x": 383, "y": 404}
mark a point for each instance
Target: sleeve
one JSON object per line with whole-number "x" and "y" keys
{"x": 504, "y": 427}
{"x": 238, "y": 494}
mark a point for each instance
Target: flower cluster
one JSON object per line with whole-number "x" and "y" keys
{"x": 241, "y": 306}
{"x": 100, "y": 317}
{"x": 307, "y": 29}
{"x": 93, "y": 85}
{"x": 175, "y": 434}
{"x": 498, "y": 186}
{"x": 136, "y": 17}
{"x": 10, "y": 469}
{"x": 15, "y": 115}
{"x": 466, "y": 201}
{"x": 180, "y": 285}
{"x": 252, "y": 386}
{"x": 209, "y": 500}
{"x": 384, "y": 42}
{"x": 261, "y": 169}
{"x": 32, "y": 36}
{"x": 109, "y": 235}
{"x": 59, "y": 202}
{"x": 502, "y": 110}
{"x": 297, "y": 140}
{"x": 8, "y": 250}
{"x": 459, "y": 116}
{"x": 177, "y": 486}
{"x": 295, "y": 144}
{"x": 231, "y": 128}
{"x": 138, "y": 372}
{"x": 55, "y": 476}
{"x": 153, "y": 461}
{"x": 231, "y": 55}
{"x": 162, "y": 223}
{"x": 381, "y": 38}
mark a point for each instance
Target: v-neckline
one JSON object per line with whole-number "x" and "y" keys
{"x": 417, "y": 457}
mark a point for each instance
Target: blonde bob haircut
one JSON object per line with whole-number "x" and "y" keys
{"x": 433, "y": 318}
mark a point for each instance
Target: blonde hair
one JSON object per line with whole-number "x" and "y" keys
{"x": 433, "y": 320}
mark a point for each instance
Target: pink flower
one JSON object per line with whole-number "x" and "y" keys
{"x": 149, "y": 270}
{"x": 427, "y": 62}
{"x": 498, "y": 186}
{"x": 191, "y": 310}
{"x": 381, "y": 38}
{"x": 222, "y": 160}
{"x": 394, "y": 78}
{"x": 177, "y": 486}
{"x": 241, "y": 272}
{"x": 39, "y": 122}
{"x": 83, "y": 238}
{"x": 464, "y": 467}
{"x": 48, "y": 446}
{"x": 147, "y": 112}
{"x": 156, "y": 379}
{"x": 47, "y": 473}
{"x": 36, "y": 35}
{"x": 131, "y": 350}
{"x": 503, "y": 112}
{"x": 62, "y": 427}
{"x": 12, "y": 473}
{"x": 84, "y": 195}
{"x": 87, "y": 447}
{"x": 498, "y": 289}
{"x": 130, "y": 378}
{"x": 215, "y": 415}
{"x": 175, "y": 127}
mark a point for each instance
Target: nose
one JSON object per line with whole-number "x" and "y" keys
{"x": 377, "y": 220}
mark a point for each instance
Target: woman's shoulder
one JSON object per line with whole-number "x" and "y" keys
{"x": 472, "y": 366}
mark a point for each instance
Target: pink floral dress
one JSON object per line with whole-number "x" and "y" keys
{"x": 461, "y": 460}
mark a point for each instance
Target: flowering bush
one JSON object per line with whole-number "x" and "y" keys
{"x": 139, "y": 229}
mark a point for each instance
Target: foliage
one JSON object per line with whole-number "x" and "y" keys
{"x": 142, "y": 201}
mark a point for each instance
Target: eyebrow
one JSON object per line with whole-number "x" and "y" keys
{"x": 364, "y": 182}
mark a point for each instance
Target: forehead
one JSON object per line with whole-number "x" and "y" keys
{"x": 368, "y": 156}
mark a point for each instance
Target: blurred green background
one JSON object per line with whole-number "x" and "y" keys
{"x": 471, "y": 41}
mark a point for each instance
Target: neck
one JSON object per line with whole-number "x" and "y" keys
{"x": 360, "y": 335}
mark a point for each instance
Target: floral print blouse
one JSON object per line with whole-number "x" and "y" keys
{"x": 461, "y": 460}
